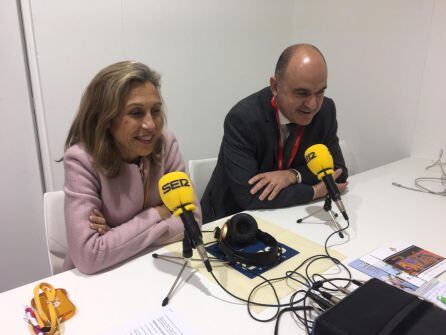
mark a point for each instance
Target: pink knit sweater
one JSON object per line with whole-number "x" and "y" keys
{"x": 120, "y": 199}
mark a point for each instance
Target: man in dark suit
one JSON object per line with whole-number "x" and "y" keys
{"x": 261, "y": 162}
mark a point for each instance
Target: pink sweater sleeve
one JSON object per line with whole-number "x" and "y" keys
{"x": 91, "y": 252}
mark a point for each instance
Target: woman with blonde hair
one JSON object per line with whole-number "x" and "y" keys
{"x": 115, "y": 153}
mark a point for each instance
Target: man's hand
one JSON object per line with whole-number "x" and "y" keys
{"x": 98, "y": 222}
{"x": 272, "y": 182}
{"x": 163, "y": 212}
{"x": 320, "y": 190}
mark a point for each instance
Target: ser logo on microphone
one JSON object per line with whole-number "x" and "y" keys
{"x": 174, "y": 184}
{"x": 311, "y": 155}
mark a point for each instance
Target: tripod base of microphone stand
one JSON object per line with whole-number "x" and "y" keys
{"x": 183, "y": 267}
{"x": 158, "y": 256}
{"x": 328, "y": 209}
{"x": 184, "y": 264}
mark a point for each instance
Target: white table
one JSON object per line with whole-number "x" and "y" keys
{"x": 379, "y": 213}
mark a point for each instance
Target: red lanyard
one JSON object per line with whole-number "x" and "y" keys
{"x": 296, "y": 145}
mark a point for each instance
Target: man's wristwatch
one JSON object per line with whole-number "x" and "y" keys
{"x": 298, "y": 177}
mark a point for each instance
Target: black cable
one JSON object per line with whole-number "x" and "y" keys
{"x": 323, "y": 303}
{"x": 357, "y": 282}
{"x": 305, "y": 323}
{"x": 244, "y": 300}
{"x": 330, "y": 297}
{"x": 288, "y": 309}
{"x": 313, "y": 259}
{"x": 330, "y": 280}
{"x": 305, "y": 280}
{"x": 270, "y": 282}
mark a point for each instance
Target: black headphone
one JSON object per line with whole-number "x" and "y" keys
{"x": 241, "y": 230}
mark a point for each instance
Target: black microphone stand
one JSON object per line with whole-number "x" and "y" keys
{"x": 192, "y": 240}
{"x": 187, "y": 255}
{"x": 327, "y": 208}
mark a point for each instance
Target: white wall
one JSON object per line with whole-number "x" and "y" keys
{"x": 375, "y": 52}
{"x": 23, "y": 255}
{"x": 210, "y": 54}
{"x": 430, "y": 130}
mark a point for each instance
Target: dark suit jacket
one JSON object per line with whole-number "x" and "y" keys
{"x": 250, "y": 146}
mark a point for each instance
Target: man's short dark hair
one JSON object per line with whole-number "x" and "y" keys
{"x": 285, "y": 57}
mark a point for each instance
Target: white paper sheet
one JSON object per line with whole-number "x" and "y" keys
{"x": 163, "y": 322}
{"x": 433, "y": 291}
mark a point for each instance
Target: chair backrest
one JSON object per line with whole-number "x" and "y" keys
{"x": 349, "y": 158}
{"x": 56, "y": 239}
{"x": 200, "y": 171}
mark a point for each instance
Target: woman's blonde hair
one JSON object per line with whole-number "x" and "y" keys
{"x": 101, "y": 103}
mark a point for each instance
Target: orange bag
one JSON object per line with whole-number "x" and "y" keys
{"x": 52, "y": 307}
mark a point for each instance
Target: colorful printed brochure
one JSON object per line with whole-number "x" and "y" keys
{"x": 411, "y": 259}
{"x": 407, "y": 267}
